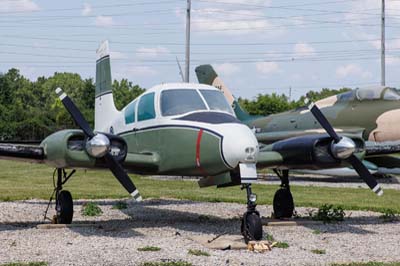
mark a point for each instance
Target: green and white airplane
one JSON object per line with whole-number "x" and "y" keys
{"x": 176, "y": 129}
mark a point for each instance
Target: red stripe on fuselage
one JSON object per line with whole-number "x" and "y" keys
{"x": 198, "y": 143}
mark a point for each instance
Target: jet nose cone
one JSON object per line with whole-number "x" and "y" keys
{"x": 239, "y": 145}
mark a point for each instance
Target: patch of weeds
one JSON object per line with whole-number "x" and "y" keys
{"x": 328, "y": 214}
{"x": 318, "y": 251}
{"x": 204, "y": 218}
{"x": 317, "y": 232}
{"x": 389, "y": 216}
{"x": 270, "y": 238}
{"x": 120, "y": 205}
{"x": 282, "y": 245}
{"x": 91, "y": 209}
{"x": 149, "y": 248}
{"x": 167, "y": 263}
{"x": 197, "y": 252}
{"x": 39, "y": 263}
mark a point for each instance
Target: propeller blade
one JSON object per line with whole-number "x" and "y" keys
{"x": 120, "y": 173}
{"x": 75, "y": 113}
{"x": 323, "y": 121}
{"x": 365, "y": 174}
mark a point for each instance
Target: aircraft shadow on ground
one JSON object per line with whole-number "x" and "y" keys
{"x": 147, "y": 215}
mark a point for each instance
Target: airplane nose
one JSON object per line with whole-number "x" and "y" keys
{"x": 239, "y": 145}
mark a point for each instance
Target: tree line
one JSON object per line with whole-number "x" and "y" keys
{"x": 30, "y": 110}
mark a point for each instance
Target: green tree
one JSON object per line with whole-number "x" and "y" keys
{"x": 124, "y": 92}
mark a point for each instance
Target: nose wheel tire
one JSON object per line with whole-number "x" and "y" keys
{"x": 283, "y": 203}
{"x": 251, "y": 226}
{"x": 64, "y": 207}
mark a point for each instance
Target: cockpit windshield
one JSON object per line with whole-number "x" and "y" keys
{"x": 391, "y": 95}
{"x": 180, "y": 101}
{"x": 216, "y": 101}
{"x": 378, "y": 92}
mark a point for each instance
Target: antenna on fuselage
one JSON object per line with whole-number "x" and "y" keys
{"x": 180, "y": 70}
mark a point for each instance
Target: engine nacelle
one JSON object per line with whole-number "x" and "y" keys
{"x": 67, "y": 149}
{"x": 311, "y": 152}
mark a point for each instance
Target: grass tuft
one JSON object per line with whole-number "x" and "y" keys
{"x": 282, "y": 245}
{"x": 149, "y": 248}
{"x": 91, "y": 209}
{"x": 38, "y": 263}
{"x": 317, "y": 232}
{"x": 197, "y": 252}
{"x": 120, "y": 205}
{"x": 389, "y": 216}
{"x": 270, "y": 238}
{"x": 328, "y": 213}
{"x": 318, "y": 251}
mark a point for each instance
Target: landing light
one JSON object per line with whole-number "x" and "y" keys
{"x": 253, "y": 198}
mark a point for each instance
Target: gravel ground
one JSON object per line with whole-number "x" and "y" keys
{"x": 114, "y": 237}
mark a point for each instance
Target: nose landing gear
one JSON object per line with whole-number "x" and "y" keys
{"x": 251, "y": 227}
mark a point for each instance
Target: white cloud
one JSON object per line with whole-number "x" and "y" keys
{"x": 151, "y": 52}
{"x": 352, "y": 70}
{"x": 104, "y": 21}
{"x": 87, "y": 9}
{"x": 227, "y": 69}
{"x": 267, "y": 67}
{"x": 303, "y": 49}
{"x": 18, "y": 6}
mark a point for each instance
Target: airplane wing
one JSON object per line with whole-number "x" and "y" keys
{"x": 29, "y": 153}
{"x": 271, "y": 136}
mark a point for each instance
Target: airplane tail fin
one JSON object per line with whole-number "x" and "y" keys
{"x": 105, "y": 110}
{"x": 207, "y": 75}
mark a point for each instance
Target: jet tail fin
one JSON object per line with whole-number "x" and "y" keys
{"x": 207, "y": 75}
{"x": 105, "y": 110}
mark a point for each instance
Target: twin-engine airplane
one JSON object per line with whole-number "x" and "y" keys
{"x": 177, "y": 129}
{"x": 299, "y": 140}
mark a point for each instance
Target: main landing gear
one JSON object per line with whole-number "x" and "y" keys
{"x": 251, "y": 222}
{"x": 64, "y": 202}
{"x": 283, "y": 199}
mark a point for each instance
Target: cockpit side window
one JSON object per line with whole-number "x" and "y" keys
{"x": 216, "y": 101}
{"x": 180, "y": 101}
{"x": 146, "y": 107}
{"x": 130, "y": 113}
{"x": 391, "y": 95}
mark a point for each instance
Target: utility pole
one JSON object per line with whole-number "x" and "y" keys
{"x": 290, "y": 93}
{"x": 383, "y": 82}
{"x": 187, "y": 59}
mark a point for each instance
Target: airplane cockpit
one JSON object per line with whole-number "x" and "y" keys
{"x": 370, "y": 93}
{"x": 175, "y": 100}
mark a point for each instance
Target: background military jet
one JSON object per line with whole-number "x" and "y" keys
{"x": 369, "y": 114}
{"x": 179, "y": 129}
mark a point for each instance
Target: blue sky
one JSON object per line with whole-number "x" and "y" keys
{"x": 257, "y": 46}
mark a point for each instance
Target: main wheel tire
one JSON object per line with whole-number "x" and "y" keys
{"x": 283, "y": 203}
{"x": 65, "y": 208}
{"x": 251, "y": 227}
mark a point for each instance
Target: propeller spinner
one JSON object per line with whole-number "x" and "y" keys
{"x": 98, "y": 146}
{"x": 343, "y": 148}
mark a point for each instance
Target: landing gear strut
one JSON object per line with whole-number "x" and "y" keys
{"x": 64, "y": 202}
{"x": 251, "y": 222}
{"x": 283, "y": 199}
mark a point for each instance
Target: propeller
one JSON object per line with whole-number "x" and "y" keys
{"x": 99, "y": 146}
{"x": 343, "y": 148}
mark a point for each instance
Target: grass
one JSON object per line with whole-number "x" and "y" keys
{"x": 389, "y": 216}
{"x": 371, "y": 263}
{"x": 317, "y": 232}
{"x": 318, "y": 251}
{"x": 120, "y": 205}
{"x": 282, "y": 245}
{"x": 197, "y": 252}
{"x": 39, "y": 263}
{"x": 91, "y": 209}
{"x": 270, "y": 238}
{"x": 166, "y": 263}
{"x": 149, "y": 248}
{"x": 101, "y": 184}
